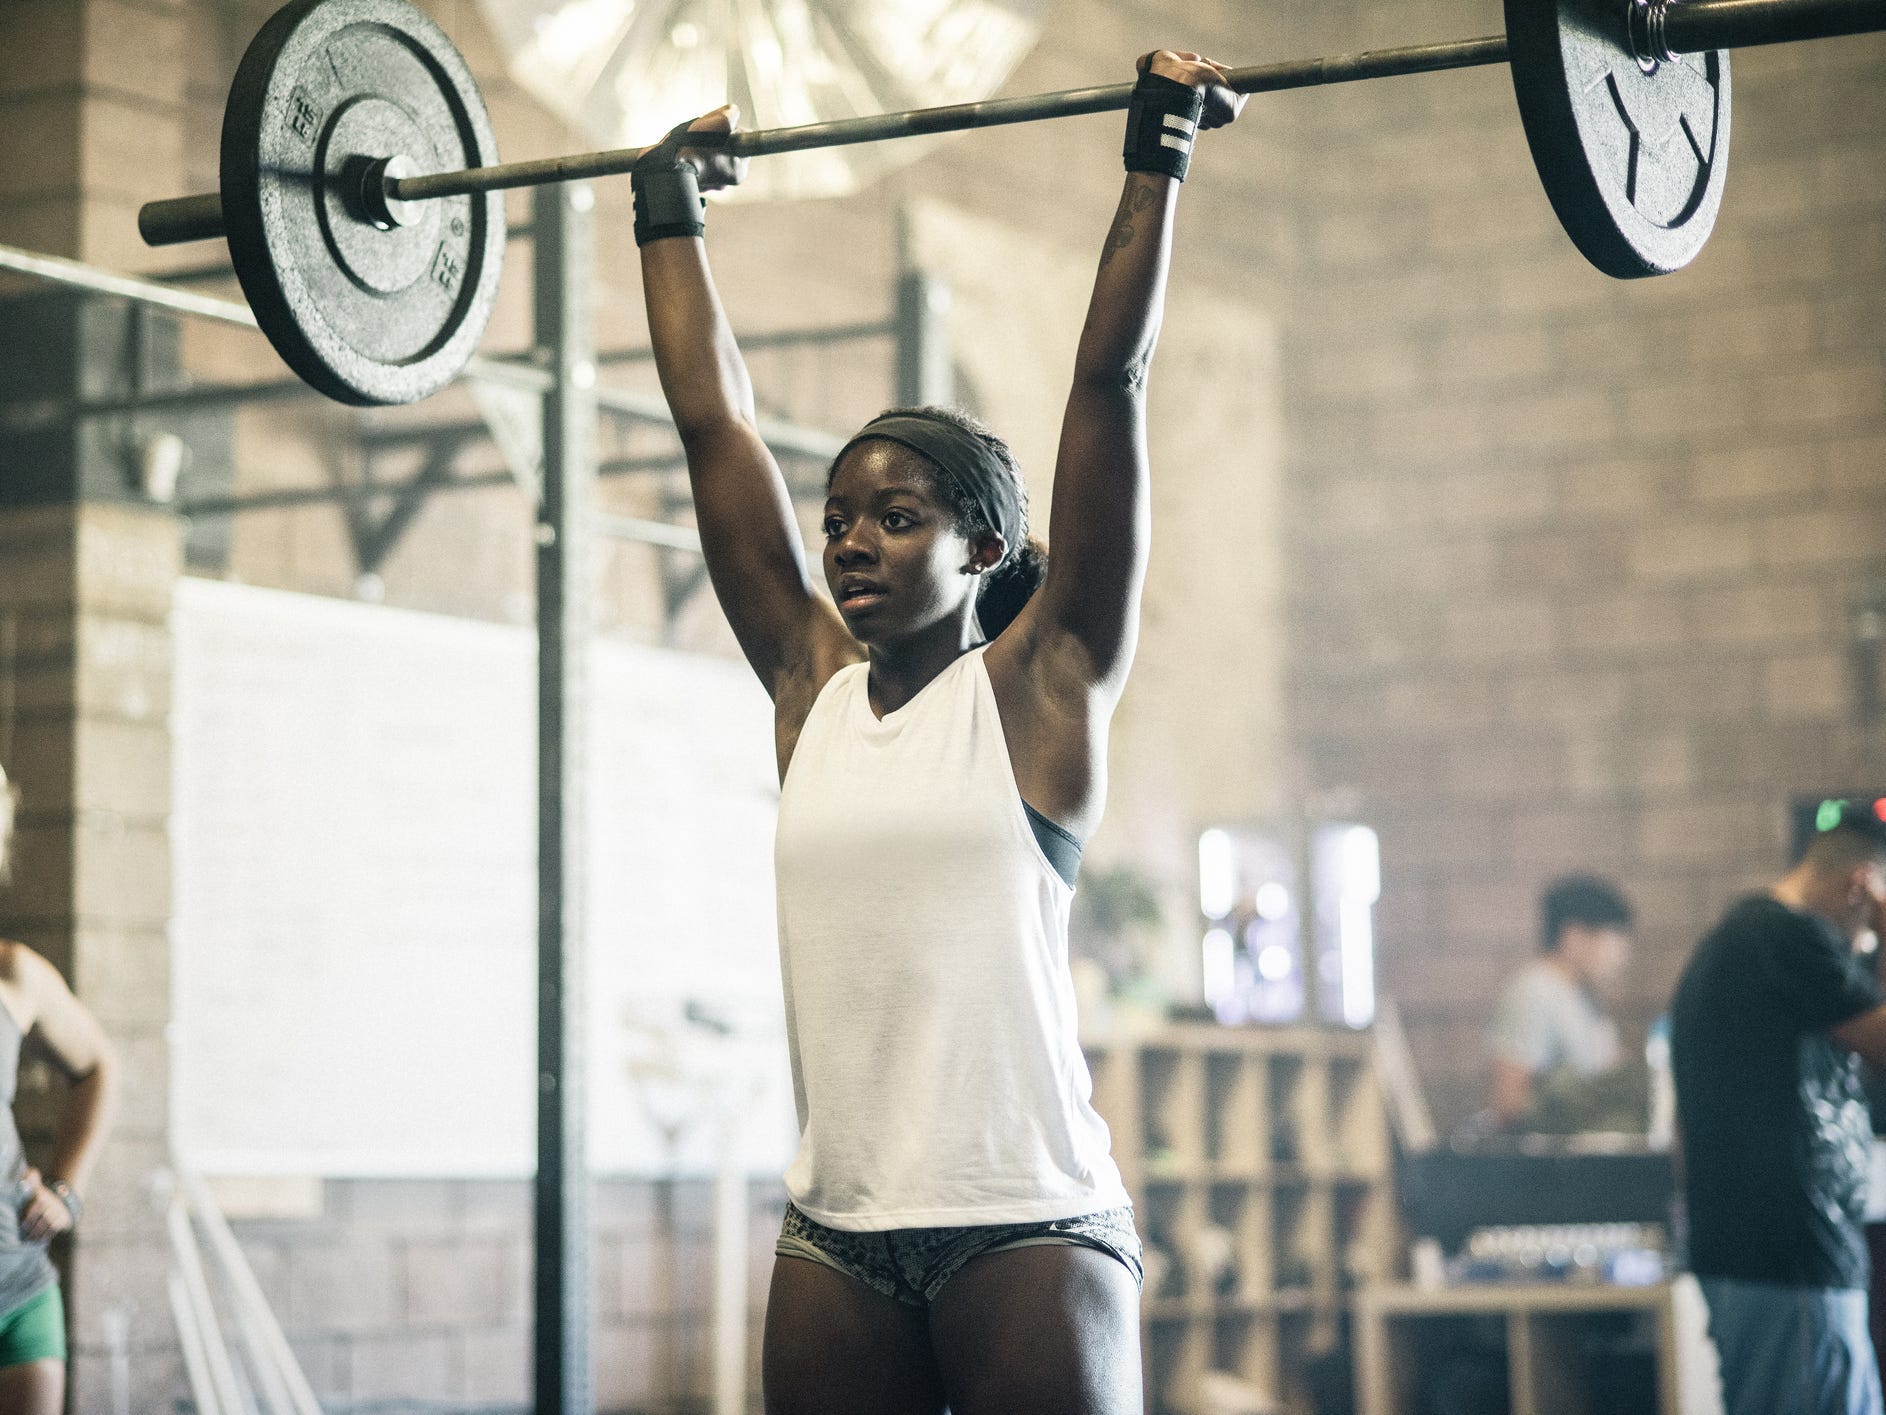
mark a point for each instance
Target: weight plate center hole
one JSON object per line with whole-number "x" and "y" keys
{"x": 367, "y": 179}
{"x": 382, "y": 244}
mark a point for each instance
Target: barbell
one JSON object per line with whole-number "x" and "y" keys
{"x": 360, "y": 187}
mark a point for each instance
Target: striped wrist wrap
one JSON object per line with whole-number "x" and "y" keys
{"x": 1161, "y": 126}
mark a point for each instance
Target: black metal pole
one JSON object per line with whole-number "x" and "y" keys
{"x": 564, "y": 258}
{"x": 926, "y": 366}
{"x": 995, "y": 112}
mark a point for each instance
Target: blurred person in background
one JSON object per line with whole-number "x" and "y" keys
{"x": 34, "y": 999}
{"x": 1772, "y": 1016}
{"x": 1557, "y": 1064}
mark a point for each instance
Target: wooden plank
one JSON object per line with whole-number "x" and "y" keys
{"x": 1496, "y": 1297}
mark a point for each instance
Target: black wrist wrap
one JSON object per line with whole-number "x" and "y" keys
{"x": 1161, "y": 125}
{"x": 667, "y": 189}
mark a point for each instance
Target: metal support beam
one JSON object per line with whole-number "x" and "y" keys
{"x": 203, "y": 398}
{"x": 682, "y": 577}
{"x": 565, "y": 330}
{"x": 77, "y": 275}
{"x": 647, "y": 532}
{"x": 926, "y": 368}
{"x": 785, "y": 438}
{"x": 351, "y": 493}
{"x": 374, "y": 540}
{"x": 771, "y": 339}
{"x": 679, "y": 584}
{"x": 215, "y": 272}
{"x": 60, "y": 271}
{"x": 788, "y": 441}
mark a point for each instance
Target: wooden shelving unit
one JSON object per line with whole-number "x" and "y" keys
{"x": 1549, "y": 1370}
{"x": 1258, "y": 1163}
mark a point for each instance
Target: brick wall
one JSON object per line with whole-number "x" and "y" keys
{"x": 83, "y": 602}
{"x": 1574, "y": 562}
{"x": 90, "y": 98}
{"x": 414, "y": 1295}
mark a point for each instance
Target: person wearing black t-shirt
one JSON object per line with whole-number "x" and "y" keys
{"x": 1771, "y": 1017}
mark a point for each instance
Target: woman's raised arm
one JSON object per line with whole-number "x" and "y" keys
{"x": 1099, "y": 524}
{"x": 748, "y": 529}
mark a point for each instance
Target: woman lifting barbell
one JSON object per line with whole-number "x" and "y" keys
{"x": 958, "y": 1233}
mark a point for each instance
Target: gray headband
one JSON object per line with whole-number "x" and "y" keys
{"x": 966, "y": 461}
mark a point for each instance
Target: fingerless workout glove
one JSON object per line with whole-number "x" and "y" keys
{"x": 667, "y": 189}
{"x": 1161, "y": 125}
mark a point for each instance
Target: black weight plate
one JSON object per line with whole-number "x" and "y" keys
{"x": 1632, "y": 160}
{"x": 365, "y": 315}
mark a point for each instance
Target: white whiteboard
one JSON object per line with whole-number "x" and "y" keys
{"x": 354, "y": 929}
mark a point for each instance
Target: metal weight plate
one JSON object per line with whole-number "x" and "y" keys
{"x": 367, "y": 313}
{"x": 1633, "y": 156}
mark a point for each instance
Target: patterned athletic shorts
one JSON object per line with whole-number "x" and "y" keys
{"x": 912, "y": 1264}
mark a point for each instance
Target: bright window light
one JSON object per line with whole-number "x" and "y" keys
{"x": 1361, "y": 888}
{"x": 566, "y": 36}
{"x": 1217, "y": 874}
{"x": 1220, "y": 968}
{"x": 1274, "y": 963}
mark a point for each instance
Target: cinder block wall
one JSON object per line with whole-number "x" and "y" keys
{"x": 1575, "y": 562}
{"x": 415, "y": 1294}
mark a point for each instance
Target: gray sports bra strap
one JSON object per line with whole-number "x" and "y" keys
{"x": 1061, "y": 848}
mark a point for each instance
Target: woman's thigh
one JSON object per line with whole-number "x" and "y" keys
{"x": 32, "y": 1388}
{"x": 833, "y": 1346}
{"x": 1053, "y": 1330}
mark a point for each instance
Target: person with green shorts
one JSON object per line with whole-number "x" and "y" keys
{"x": 36, "y": 1208}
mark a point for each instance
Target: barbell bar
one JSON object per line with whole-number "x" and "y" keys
{"x": 330, "y": 131}
{"x": 1688, "y": 27}
{"x": 200, "y": 217}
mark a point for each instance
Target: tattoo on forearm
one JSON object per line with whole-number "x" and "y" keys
{"x": 1133, "y": 201}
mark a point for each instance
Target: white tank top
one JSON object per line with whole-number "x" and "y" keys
{"x": 923, "y": 941}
